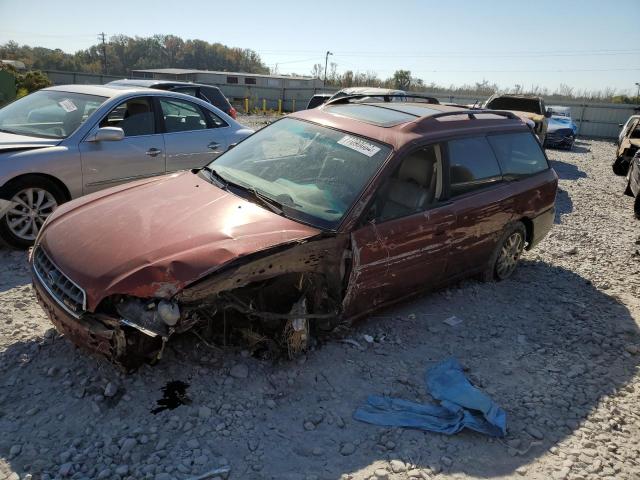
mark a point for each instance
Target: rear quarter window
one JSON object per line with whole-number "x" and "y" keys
{"x": 518, "y": 153}
{"x": 472, "y": 165}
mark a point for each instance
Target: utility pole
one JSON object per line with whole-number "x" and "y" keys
{"x": 102, "y": 36}
{"x": 638, "y": 94}
{"x": 326, "y": 59}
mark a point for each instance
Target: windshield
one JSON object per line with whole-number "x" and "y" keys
{"x": 314, "y": 173}
{"x": 48, "y": 114}
{"x": 515, "y": 103}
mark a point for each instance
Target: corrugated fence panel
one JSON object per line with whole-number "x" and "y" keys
{"x": 593, "y": 119}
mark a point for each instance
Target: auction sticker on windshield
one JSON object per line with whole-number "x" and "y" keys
{"x": 359, "y": 145}
{"x": 67, "y": 105}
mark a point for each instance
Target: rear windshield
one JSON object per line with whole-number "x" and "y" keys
{"x": 519, "y": 104}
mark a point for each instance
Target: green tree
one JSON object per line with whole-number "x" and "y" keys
{"x": 32, "y": 81}
{"x": 402, "y": 79}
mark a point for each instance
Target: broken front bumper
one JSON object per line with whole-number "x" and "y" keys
{"x": 99, "y": 334}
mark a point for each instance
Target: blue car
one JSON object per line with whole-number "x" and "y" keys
{"x": 561, "y": 131}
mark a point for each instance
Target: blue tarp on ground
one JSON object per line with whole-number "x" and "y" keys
{"x": 461, "y": 406}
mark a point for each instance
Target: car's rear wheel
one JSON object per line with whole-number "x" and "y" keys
{"x": 33, "y": 199}
{"x": 505, "y": 257}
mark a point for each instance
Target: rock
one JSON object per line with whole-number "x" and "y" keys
{"x": 368, "y": 338}
{"x": 534, "y": 432}
{"x": 163, "y": 476}
{"x": 397, "y": 466}
{"x": 122, "y": 470}
{"x": 446, "y": 461}
{"x": 347, "y": 449}
{"x": 193, "y": 443}
{"x": 66, "y": 469}
{"x": 127, "y": 445}
{"x": 522, "y": 471}
{"x": 110, "y": 390}
{"x": 381, "y": 474}
{"x": 309, "y": 426}
{"x": 239, "y": 370}
{"x": 204, "y": 412}
{"x": 632, "y": 349}
{"x": 106, "y": 473}
{"x": 15, "y": 451}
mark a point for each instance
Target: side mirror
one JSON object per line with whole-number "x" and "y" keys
{"x": 547, "y": 113}
{"x": 107, "y": 134}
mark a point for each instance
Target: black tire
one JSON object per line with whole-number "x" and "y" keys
{"x": 620, "y": 166}
{"x": 627, "y": 191}
{"x": 494, "y": 271}
{"x": 21, "y": 184}
{"x": 636, "y": 207}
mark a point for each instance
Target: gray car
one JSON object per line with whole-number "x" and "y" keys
{"x": 63, "y": 142}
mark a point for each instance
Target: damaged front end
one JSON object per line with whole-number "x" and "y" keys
{"x": 270, "y": 302}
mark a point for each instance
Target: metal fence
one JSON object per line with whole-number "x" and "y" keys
{"x": 593, "y": 119}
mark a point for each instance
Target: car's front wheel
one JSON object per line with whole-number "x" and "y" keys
{"x": 505, "y": 257}
{"x": 620, "y": 167}
{"x": 32, "y": 200}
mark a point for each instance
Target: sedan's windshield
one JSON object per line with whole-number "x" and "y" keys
{"x": 314, "y": 173}
{"x": 49, "y": 114}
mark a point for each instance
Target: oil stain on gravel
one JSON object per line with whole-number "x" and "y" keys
{"x": 175, "y": 394}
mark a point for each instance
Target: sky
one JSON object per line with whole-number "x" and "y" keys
{"x": 585, "y": 44}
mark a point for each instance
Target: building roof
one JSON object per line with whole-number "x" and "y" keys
{"x": 186, "y": 71}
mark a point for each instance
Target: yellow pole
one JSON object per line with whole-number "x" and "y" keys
{"x": 279, "y": 106}
{"x": 293, "y": 107}
{"x": 264, "y": 105}
{"x": 246, "y": 105}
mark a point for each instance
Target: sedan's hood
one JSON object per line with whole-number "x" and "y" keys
{"x": 151, "y": 238}
{"x": 12, "y": 142}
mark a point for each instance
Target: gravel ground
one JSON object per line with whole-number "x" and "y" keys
{"x": 557, "y": 346}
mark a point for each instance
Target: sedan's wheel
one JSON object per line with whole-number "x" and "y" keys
{"x": 31, "y": 204}
{"x": 32, "y": 207}
{"x": 507, "y": 253}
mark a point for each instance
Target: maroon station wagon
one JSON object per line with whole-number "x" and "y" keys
{"x": 320, "y": 218}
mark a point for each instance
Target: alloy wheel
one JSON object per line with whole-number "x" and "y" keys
{"x": 509, "y": 255}
{"x": 31, "y": 207}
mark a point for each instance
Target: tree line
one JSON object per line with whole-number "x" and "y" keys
{"x": 404, "y": 80}
{"x": 124, "y": 53}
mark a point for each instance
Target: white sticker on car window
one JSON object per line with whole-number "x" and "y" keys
{"x": 359, "y": 145}
{"x": 67, "y": 105}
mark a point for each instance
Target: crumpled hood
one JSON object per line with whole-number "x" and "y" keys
{"x": 536, "y": 117}
{"x": 152, "y": 237}
{"x": 12, "y": 142}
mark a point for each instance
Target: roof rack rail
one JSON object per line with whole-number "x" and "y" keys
{"x": 384, "y": 96}
{"x": 472, "y": 112}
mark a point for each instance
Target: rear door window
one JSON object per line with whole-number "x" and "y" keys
{"x": 472, "y": 165}
{"x": 518, "y": 153}
{"x": 182, "y": 116}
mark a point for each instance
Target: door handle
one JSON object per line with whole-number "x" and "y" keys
{"x": 154, "y": 152}
{"x": 213, "y": 146}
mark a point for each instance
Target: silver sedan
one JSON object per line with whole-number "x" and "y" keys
{"x": 63, "y": 142}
